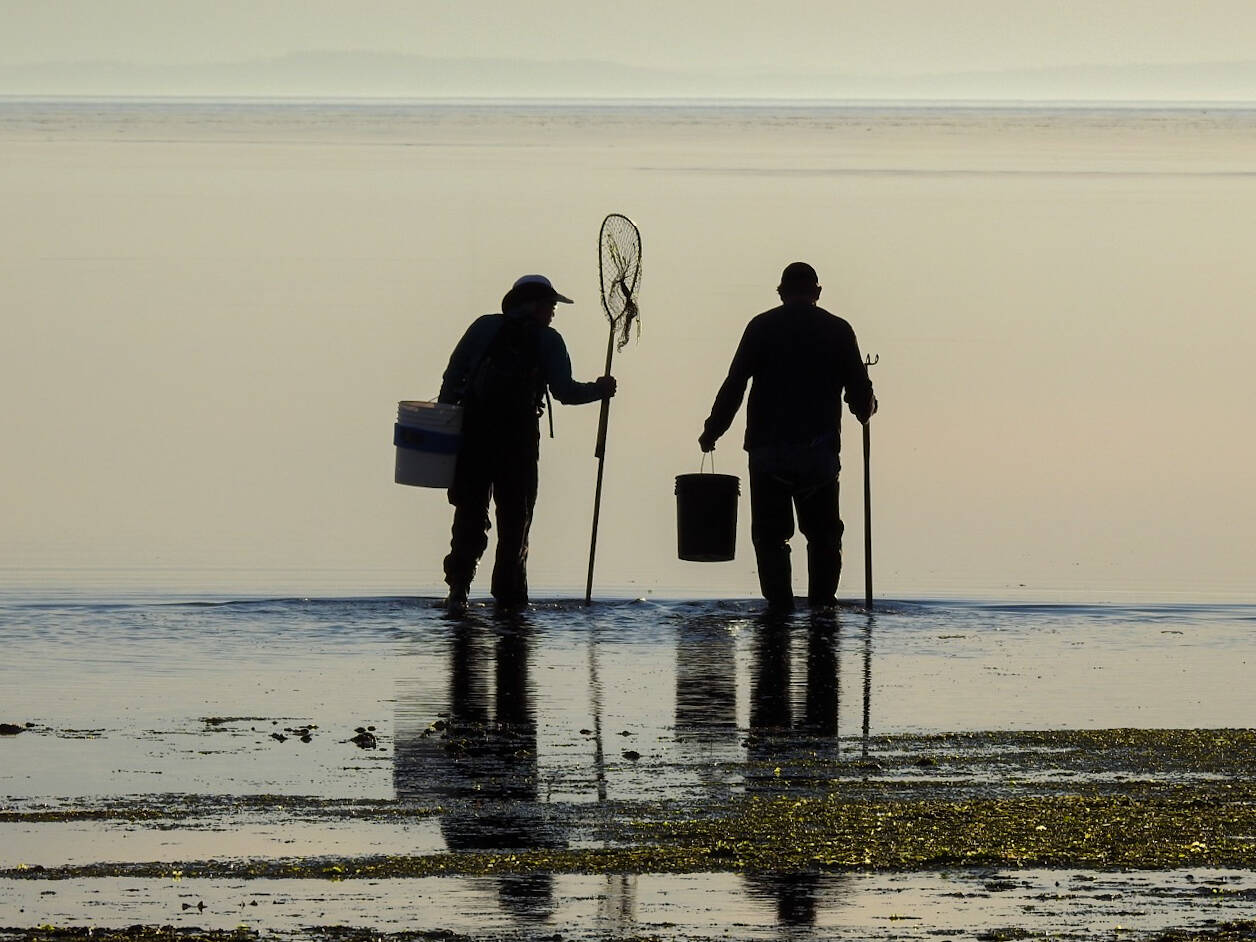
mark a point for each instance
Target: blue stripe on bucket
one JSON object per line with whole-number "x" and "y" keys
{"x": 418, "y": 439}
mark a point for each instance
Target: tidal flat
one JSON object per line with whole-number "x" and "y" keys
{"x": 1135, "y": 822}
{"x": 312, "y": 769}
{"x": 1100, "y": 799}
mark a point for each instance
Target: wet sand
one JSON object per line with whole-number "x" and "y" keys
{"x": 649, "y": 770}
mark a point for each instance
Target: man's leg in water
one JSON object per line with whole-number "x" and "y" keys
{"x": 470, "y": 495}
{"x": 771, "y": 526}
{"x": 819, "y": 522}
{"x": 514, "y": 494}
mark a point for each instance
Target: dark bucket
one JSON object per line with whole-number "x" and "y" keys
{"x": 706, "y": 517}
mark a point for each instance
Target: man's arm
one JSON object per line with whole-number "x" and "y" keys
{"x": 859, "y": 396}
{"x": 556, "y": 364}
{"x": 728, "y": 399}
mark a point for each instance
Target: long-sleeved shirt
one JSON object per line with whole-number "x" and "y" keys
{"x": 798, "y": 358}
{"x": 555, "y": 362}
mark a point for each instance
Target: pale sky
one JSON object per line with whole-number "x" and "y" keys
{"x": 887, "y": 37}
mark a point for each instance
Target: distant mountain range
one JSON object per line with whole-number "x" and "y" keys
{"x": 346, "y": 74}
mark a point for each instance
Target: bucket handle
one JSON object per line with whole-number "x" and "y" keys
{"x": 702, "y": 463}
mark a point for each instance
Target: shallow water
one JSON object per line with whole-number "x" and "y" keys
{"x": 136, "y": 698}
{"x": 226, "y": 300}
{"x": 845, "y": 906}
{"x": 493, "y": 732}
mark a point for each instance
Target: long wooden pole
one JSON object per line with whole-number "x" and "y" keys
{"x": 599, "y": 452}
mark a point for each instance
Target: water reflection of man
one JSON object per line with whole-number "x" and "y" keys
{"x": 824, "y": 678}
{"x": 782, "y": 736}
{"x": 772, "y": 694}
{"x": 795, "y": 896}
{"x": 482, "y": 767}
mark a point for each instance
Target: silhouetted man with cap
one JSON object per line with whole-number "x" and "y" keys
{"x": 799, "y": 359}
{"x": 499, "y": 372}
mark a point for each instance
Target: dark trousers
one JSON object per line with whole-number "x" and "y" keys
{"x": 497, "y": 464}
{"x": 775, "y": 496}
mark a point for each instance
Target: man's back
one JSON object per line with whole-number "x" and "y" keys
{"x": 798, "y": 359}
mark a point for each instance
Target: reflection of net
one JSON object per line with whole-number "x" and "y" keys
{"x": 620, "y": 266}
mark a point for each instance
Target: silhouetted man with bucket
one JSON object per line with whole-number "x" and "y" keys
{"x": 500, "y": 372}
{"x": 799, "y": 359}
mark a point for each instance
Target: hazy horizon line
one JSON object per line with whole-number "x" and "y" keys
{"x": 357, "y": 74}
{"x": 628, "y": 100}
{"x": 325, "y": 52}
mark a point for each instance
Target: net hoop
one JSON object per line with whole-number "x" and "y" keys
{"x": 619, "y": 269}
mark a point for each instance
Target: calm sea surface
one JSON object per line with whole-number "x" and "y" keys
{"x": 225, "y": 300}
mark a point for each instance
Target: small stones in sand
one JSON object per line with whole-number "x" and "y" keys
{"x": 365, "y": 738}
{"x": 304, "y": 733}
{"x": 631, "y": 755}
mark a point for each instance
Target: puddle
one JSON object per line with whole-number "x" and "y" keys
{"x": 56, "y": 843}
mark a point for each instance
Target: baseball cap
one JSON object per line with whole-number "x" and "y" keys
{"x": 536, "y": 288}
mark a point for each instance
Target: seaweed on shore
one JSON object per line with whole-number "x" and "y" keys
{"x": 1146, "y": 827}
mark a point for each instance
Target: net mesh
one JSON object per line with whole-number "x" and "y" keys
{"x": 620, "y": 267}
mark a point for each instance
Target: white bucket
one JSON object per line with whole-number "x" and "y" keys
{"x": 427, "y": 435}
